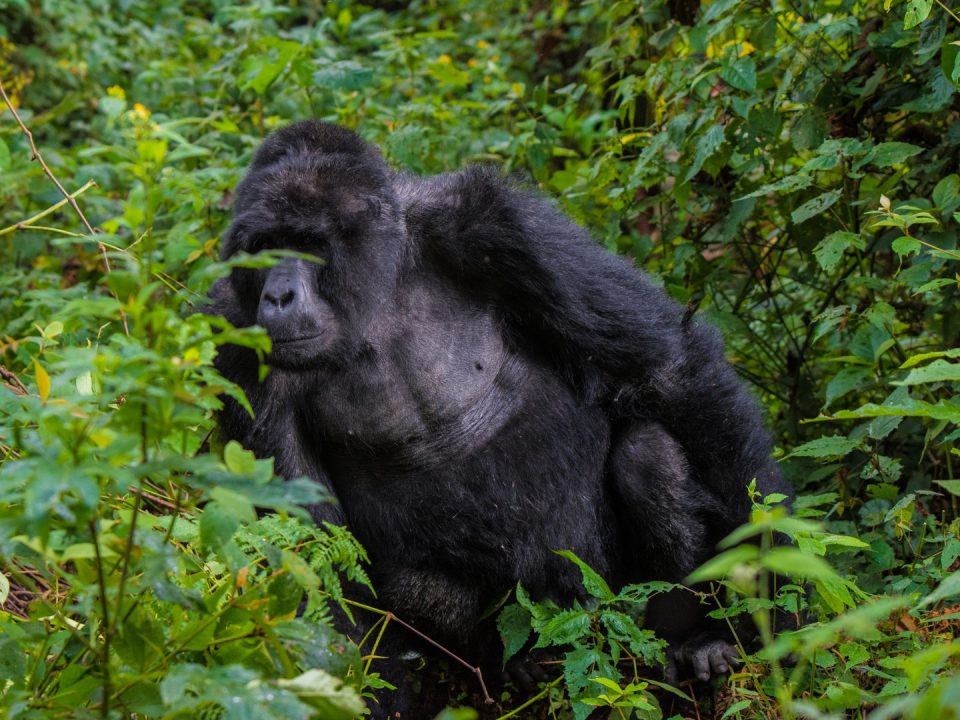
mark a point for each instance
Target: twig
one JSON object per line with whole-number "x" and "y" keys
{"x": 67, "y": 196}
{"x": 389, "y": 616}
{"x": 535, "y": 699}
{"x": 17, "y": 386}
{"x": 46, "y": 168}
{"x": 24, "y": 224}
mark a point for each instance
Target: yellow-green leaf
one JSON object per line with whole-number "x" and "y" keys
{"x": 43, "y": 381}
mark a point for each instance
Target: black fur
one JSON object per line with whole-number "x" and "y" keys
{"x": 479, "y": 383}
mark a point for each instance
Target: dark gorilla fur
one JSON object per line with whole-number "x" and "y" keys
{"x": 479, "y": 383}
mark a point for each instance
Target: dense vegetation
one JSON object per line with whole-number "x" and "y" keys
{"x": 789, "y": 169}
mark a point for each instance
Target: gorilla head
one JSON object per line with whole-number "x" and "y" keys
{"x": 321, "y": 192}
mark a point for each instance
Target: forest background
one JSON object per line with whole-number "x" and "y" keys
{"x": 787, "y": 168}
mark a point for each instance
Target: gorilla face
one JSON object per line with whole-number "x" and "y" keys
{"x": 302, "y": 325}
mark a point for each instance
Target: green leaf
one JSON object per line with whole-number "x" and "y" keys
{"x": 789, "y": 184}
{"x": 334, "y": 699}
{"x": 707, "y": 145}
{"x": 917, "y": 12}
{"x": 937, "y": 371}
{"x": 888, "y": 154}
{"x": 793, "y": 562}
{"x": 834, "y": 446}
{"x": 13, "y": 661}
{"x": 578, "y": 667}
{"x": 592, "y": 582}
{"x": 951, "y": 486}
{"x": 565, "y": 627}
{"x": 736, "y": 708}
{"x": 923, "y": 357}
{"x": 720, "y": 566}
{"x": 814, "y": 207}
{"x": 238, "y": 460}
{"x": 829, "y": 250}
{"x": 4, "y": 157}
{"x": 217, "y": 525}
{"x": 905, "y": 245}
{"x": 845, "y": 381}
{"x": 514, "y": 626}
{"x": 950, "y": 61}
{"x": 910, "y": 407}
{"x": 946, "y": 589}
{"x": 741, "y": 74}
{"x": 946, "y": 194}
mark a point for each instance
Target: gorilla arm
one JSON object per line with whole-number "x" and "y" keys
{"x": 592, "y": 309}
{"x": 275, "y": 429}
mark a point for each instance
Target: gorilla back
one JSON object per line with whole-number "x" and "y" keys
{"x": 479, "y": 384}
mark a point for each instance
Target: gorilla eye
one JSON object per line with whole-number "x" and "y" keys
{"x": 259, "y": 243}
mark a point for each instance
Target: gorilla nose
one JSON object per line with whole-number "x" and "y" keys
{"x": 279, "y": 298}
{"x": 278, "y": 303}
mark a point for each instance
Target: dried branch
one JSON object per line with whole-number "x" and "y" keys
{"x": 46, "y": 168}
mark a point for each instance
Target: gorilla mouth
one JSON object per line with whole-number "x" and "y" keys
{"x": 287, "y": 342}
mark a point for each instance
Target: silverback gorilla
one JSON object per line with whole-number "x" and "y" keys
{"x": 479, "y": 383}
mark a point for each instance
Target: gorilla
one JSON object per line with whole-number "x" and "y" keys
{"x": 479, "y": 383}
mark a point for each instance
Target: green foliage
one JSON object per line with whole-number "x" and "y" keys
{"x": 791, "y": 170}
{"x": 596, "y": 641}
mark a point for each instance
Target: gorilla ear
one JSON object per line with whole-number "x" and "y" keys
{"x": 354, "y": 208}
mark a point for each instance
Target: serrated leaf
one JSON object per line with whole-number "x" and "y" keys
{"x": 829, "y": 250}
{"x": 330, "y": 695}
{"x": 923, "y": 357}
{"x": 834, "y": 446}
{"x": 814, "y": 207}
{"x": 43, "y": 381}
{"x": 948, "y": 588}
{"x": 564, "y": 628}
{"x": 514, "y": 626}
{"x": 905, "y": 245}
{"x": 741, "y": 74}
{"x": 592, "y": 582}
{"x": 789, "y": 184}
{"x": 707, "y": 145}
{"x": 937, "y": 371}
{"x": 941, "y": 410}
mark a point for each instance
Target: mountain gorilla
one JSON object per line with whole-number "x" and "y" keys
{"x": 479, "y": 383}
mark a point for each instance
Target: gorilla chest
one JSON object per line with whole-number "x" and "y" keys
{"x": 443, "y": 383}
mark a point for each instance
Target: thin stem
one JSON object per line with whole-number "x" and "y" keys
{"x": 535, "y": 699}
{"x": 426, "y": 638}
{"x": 40, "y": 215}
{"x": 46, "y": 168}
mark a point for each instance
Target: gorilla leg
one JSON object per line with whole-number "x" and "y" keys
{"x": 669, "y": 527}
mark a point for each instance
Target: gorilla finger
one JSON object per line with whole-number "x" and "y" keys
{"x": 718, "y": 663}
{"x": 732, "y": 655}
{"x": 701, "y": 665}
